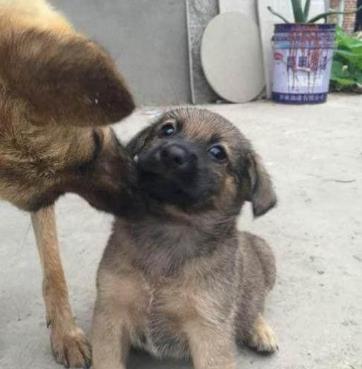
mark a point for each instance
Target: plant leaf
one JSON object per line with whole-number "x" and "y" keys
{"x": 306, "y": 9}
{"x": 277, "y": 14}
{"x": 298, "y": 12}
{"x": 346, "y": 72}
{"x": 344, "y": 82}
{"x": 327, "y": 14}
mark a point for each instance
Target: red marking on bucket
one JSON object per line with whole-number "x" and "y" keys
{"x": 278, "y": 56}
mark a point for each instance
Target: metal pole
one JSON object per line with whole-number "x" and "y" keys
{"x": 340, "y": 16}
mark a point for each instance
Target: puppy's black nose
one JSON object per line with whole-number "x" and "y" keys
{"x": 176, "y": 156}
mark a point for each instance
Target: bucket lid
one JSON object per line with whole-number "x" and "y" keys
{"x": 294, "y": 27}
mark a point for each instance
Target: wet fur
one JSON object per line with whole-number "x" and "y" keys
{"x": 180, "y": 280}
{"x": 58, "y": 93}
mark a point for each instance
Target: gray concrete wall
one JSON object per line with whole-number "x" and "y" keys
{"x": 148, "y": 39}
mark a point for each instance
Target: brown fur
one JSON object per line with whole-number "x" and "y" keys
{"x": 179, "y": 280}
{"x": 58, "y": 91}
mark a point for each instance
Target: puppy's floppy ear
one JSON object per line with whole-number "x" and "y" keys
{"x": 261, "y": 192}
{"x": 139, "y": 141}
{"x": 65, "y": 78}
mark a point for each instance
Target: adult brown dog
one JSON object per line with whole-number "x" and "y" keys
{"x": 58, "y": 91}
{"x": 177, "y": 278}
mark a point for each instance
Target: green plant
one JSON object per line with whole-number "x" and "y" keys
{"x": 347, "y": 63}
{"x": 301, "y": 14}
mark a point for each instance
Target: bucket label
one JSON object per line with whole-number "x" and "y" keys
{"x": 302, "y": 63}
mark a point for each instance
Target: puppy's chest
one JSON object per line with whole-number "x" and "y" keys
{"x": 164, "y": 249}
{"x": 161, "y": 330}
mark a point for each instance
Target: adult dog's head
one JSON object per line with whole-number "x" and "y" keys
{"x": 196, "y": 159}
{"x": 58, "y": 93}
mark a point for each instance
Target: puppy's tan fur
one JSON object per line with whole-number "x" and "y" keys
{"x": 183, "y": 282}
{"x": 58, "y": 91}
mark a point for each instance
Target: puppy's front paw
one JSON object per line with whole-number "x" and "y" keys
{"x": 262, "y": 338}
{"x": 70, "y": 347}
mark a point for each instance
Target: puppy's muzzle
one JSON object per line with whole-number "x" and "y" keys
{"x": 177, "y": 157}
{"x": 171, "y": 159}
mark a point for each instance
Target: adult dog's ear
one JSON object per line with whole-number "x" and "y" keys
{"x": 138, "y": 142}
{"x": 261, "y": 192}
{"x": 65, "y": 79}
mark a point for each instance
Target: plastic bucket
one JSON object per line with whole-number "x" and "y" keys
{"x": 302, "y": 62}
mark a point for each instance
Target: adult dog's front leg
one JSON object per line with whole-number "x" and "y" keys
{"x": 69, "y": 344}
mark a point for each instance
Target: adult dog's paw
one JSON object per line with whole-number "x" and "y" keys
{"x": 70, "y": 347}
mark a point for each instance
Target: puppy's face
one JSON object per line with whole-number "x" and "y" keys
{"x": 196, "y": 159}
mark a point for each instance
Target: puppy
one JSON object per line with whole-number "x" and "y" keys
{"x": 58, "y": 93}
{"x": 177, "y": 279}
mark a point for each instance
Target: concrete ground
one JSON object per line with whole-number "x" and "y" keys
{"x": 314, "y": 154}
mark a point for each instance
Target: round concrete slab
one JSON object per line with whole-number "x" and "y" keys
{"x": 231, "y": 57}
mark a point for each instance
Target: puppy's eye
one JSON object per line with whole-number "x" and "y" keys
{"x": 168, "y": 129}
{"x": 217, "y": 152}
